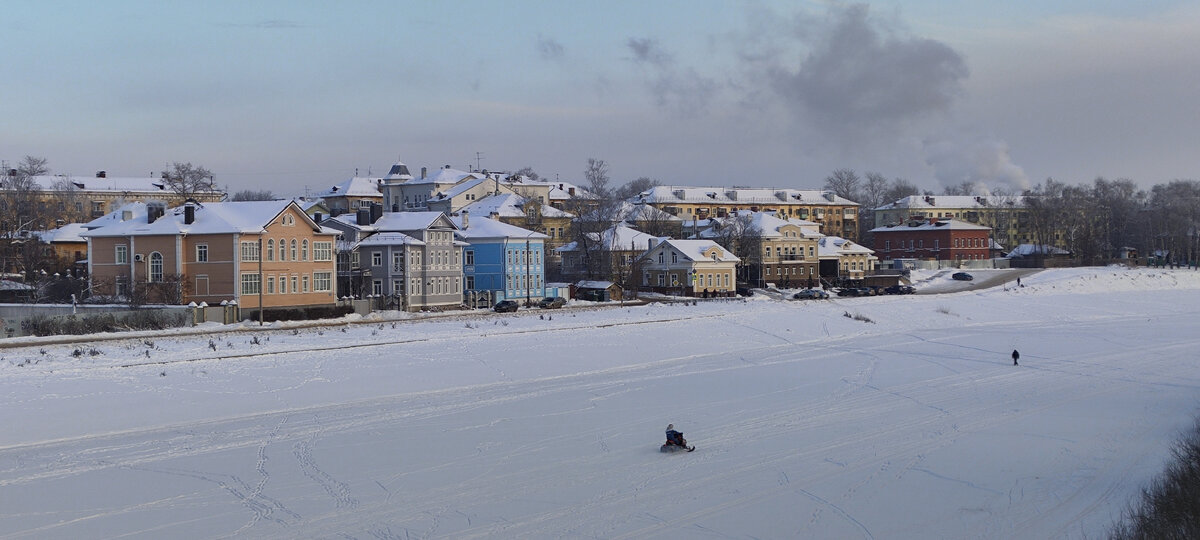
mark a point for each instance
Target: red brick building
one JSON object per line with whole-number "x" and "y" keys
{"x": 933, "y": 238}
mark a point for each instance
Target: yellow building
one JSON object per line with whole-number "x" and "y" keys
{"x": 835, "y": 216}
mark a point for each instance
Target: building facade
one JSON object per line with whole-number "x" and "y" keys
{"x": 933, "y": 238}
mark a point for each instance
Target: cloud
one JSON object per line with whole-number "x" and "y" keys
{"x": 860, "y": 76}
{"x": 549, "y": 49}
{"x": 980, "y": 160}
{"x": 681, "y": 90}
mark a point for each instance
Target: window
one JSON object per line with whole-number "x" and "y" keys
{"x": 397, "y": 261}
{"x": 295, "y": 289}
{"x": 249, "y": 251}
{"x": 397, "y": 287}
{"x": 322, "y": 281}
{"x": 122, "y": 286}
{"x": 304, "y": 282}
{"x": 304, "y": 250}
{"x": 271, "y": 250}
{"x": 376, "y": 258}
{"x": 250, "y": 284}
{"x": 271, "y": 285}
{"x": 293, "y": 253}
{"x": 122, "y": 255}
{"x": 469, "y": 258}
{"x": 156, "y": 267}
{"x": 322, "y": 251}
{"x": 282, "y": 251}
{"x": 470, "y": 283}
{"x": 201, "y": 252}
{"x": 377, "y": 287}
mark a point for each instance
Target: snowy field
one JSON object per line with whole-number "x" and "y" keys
{"x": 912, "y": 423}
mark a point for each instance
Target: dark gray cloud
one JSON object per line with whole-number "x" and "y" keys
{"x": 859, "y": 76}
{"x": 550, "y": 49}
{"x": 679, "y": 89}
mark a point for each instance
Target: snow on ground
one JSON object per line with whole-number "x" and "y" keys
{"x": 909, "y": 422}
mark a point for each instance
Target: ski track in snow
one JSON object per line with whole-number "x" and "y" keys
{"x": 809, "y": 424}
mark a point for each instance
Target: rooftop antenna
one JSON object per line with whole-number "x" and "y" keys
{"x": 478, "y": 158}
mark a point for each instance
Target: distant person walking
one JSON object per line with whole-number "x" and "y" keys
{"x": 1015, "y": 356}
{"x": 1018, "y": 281}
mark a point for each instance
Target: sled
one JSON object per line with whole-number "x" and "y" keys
{"x": 672, "y": 448}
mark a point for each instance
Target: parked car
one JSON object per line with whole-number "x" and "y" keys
{"x": 900, "y": 289}
{"x": 962, "y": 276}
{"x": 850, "y": 291}
{"x": 811, "y": 294}
{"x": 505, "y": 306}
{"x": 552, "y": 302}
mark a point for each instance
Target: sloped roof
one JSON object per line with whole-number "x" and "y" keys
{"x": 628, "y": 211}
{"x": 211, "y": 218}
{"x": 137, "y": 210}
{"x": 408, "y": 221}
{"x": 445, "y": 175}
{"x": 833, "y": 246}
{"x": 110, "y": 184}
{"x": 67, "y": 233}
{"x": 694, "y": 250}
{"x": 355, "y": 187}
{"x": 1026, "y": 250}
{"x": 509, "y": 205}
{"x": 388, "y": 239}
{"x": 458, "y": 189}
{"x": 765, "y": 196}
{"x": 482, "y": 227}
{"x": 942, "y": 224}
{"x": 954, "y": 201}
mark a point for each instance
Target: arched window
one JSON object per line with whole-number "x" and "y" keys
{"x": 304, "y": 250}
{"x": 156, "y": 267}
{"x": 271, "y": 250}
{"x": 293, "y": 249}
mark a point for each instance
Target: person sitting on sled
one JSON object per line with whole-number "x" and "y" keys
{"x": 675, "y": 437}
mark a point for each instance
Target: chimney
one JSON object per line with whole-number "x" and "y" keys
{"x": 189, "y": 212}
{"x": 933, "y": 221}
{"x": 423, "y": 169}
{"x": 376, "y": 212}
{"x": 153, "y": 211}
{"x": 317, "y": 217}
{"x": 571, "y": 192}
{"x": 363, "y": 217}
{"x": 466, "y": 216}
{"x": 494, "y": 215}
{"x": 101, "y": 174}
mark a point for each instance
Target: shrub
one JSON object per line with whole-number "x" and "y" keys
{"x": 1170, "y": 506}
{"x": 305, "y": 314}
{"x": 45, "y": 325}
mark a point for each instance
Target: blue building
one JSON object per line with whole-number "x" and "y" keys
{"x": 501, "y": 261}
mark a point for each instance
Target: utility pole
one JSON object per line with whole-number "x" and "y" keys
{"x": 478, "y": 159}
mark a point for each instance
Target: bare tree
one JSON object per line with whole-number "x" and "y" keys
{"x": 527, "y": 172}
{"x": 963, "y": 188}
{"x": 187, "y": 180}
{"x": 900, "y": 189}
{"x": 634, "y": 187}
{"x": 740, "y": 236}
{"x": 844, "y": 183}
{"x": 596, "y": 175}
{"x": 253, "y": 195}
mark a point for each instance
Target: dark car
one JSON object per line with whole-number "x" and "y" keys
{"x": 963, "y": 276}
{"x": 552, "y": 302}
{"x": 811, "y": 294}
{"x": 849, "y": 291}
{"x": 505, "y": 306}
{"x": 900, "y": 289}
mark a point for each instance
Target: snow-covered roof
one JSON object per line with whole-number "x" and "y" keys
{"x": 407, "y": 221}
{"x": 458, "y": 189}
{"x": 690, "y": 194}
{"x": 509, "y": 205}
{"x": 10, "y": 285}
{"x": 696, "y": 250}
{"x": 110, "y": 184}
{"x": 67, "y": 233}
{"x": 482, "y": 227}
{"x": 941, "y": 224}
{"x": 445, "y": 175}
{"x": 399, "y": 171}
{"x": 211, "y": 218}
{"x": 835, "y": 246}
{"x": 559, "y": 191}
{"x": 627, "y": 211}
{"x": 1025, "y": 250}
{"x": 769, "y": 224}
{"x": 955, "y": 201}
{"x": 355, "y": 187}
{"x": 388, "y": 239}
{"x": 126, "y": 212}
{"x": 592, "y": 284}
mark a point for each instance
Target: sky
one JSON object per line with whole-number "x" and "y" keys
{"x": 294, "y": 97}
{"x": 909, "y": 422}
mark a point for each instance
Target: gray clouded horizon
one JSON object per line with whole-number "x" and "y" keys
{"x": 704, "y": 93}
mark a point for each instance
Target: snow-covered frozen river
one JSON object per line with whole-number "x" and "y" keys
{"x": 909, "y": 421}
